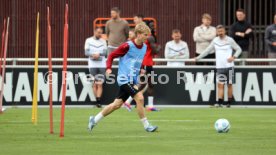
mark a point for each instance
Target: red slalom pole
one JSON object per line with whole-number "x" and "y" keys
{"x": 3, "y": 45}
{"x": 4, "y": 64}
{"x": 50, "y": 78}
{"x": 64, "y": 72}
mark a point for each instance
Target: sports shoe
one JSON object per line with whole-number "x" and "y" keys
{"x": 91, "y": 123}
{"x": 228, "y": 105}
{"x": 218, "y": 105}
{"x": 152, "y": 109}
{"x": 98, "y": 105}
{"x": 127, "y": 106}
{"x": 151, "y": 128}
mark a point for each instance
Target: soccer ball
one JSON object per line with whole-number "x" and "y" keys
{"x": 222, "y": 125}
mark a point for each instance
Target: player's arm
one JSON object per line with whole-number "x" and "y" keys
{"x": 107, "y": 29}
{"x": 186, "y": 52}
{"x": 237, "y": 49}
{"x": 208, "y": 50}
{"x": 119, "y": 52}
{"x": 87, "y": 51}
{"x": 126, "y": 29}
{"x": 197, "y": 37}
{"x": 170, "y": 54}
{"x": 104, "y": 53}
{"x": 155, "y": 48}
{"x": 210, "y": 36}
{"x": 249, "y": 32}
{"x": 232, "y": 32}
{"x": 267, "y": 36}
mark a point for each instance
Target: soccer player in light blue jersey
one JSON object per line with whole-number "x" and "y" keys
{"x": 131, "y": 56}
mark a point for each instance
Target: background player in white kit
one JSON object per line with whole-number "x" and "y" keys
{"x": 96, "y": 49}
{"x": 223, "y": 46}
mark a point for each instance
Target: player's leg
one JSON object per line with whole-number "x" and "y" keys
{"x": 94, "y": 87}
{"x": 230, "y": 95}
{"x": 143, "y": 87}
{"x": 139, "y": 99}
{"x": 99, "y": 91}
{"x": 231, "y": 80}
{"x": 100, "y": 78}
{"x": 127, "y": 104}
{"x": 137, "y": 95}
{"x": 220, "y": 94}
{"x": 150, "y": 93}
{"x": 149, "y": 70}
{"x": 116, "y": 104}
{"x": 221, "y": 79}
{"x": 93, "y": 73}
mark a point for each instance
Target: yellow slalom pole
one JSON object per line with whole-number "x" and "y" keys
{"x": 34, "y": 105}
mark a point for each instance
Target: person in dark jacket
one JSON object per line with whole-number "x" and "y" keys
{"x": 270, "y": 40}
{"x": 241, "y": 31}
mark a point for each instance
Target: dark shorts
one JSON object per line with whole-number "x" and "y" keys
{"x": 98, "y": 73}
{"x": 225, "y": 75}
{"x": 148, "y": 69}
{"x": 127, "y": 90}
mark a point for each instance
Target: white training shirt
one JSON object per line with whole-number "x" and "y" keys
{"x": 203, "y": 36}
{"x": 224, "y": 50}
{"x": 175, "y": 50}
{"x": 93, "y": 46}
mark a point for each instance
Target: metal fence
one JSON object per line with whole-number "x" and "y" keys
{"x": 160, "y": 62}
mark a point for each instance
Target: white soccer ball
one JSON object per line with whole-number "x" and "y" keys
{"x": 222, "y": 125}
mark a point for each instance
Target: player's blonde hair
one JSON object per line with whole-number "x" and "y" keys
{"x": 141, "y": 28}
{"x": 206, "y": 16}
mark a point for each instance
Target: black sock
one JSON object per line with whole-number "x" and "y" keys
{"x": 98, "y": 100}
{"x": 220, "y": 101}
{"x": 230, "y": 101}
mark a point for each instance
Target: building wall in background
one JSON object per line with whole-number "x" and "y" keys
{"x": 181, "y": 14}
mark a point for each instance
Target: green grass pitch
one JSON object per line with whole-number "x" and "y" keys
{"x": 182, "y": 131}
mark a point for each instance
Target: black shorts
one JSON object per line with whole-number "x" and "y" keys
{"x": 148, "y": 69}
{"x": 127, "y": 90}
{"x": 98, "y": 73}
{"x": 225, "y": 75}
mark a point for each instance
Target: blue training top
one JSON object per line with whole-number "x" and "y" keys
{"x": 130, "y": 64}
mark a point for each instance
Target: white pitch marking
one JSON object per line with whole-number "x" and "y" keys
{"x": 162, "y": 120}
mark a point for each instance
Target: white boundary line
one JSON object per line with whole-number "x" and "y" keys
{"x": 157, "y": 106}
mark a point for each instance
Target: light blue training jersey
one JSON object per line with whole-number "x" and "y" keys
{"x": 130, "y": 64}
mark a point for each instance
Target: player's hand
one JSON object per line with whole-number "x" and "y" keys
{"x": 136, "y": 87}
{"x": 231, "y": 59}
{"x": 239, "y": 34}
{"x": 143, "y": 71}
{"x": 249, "y": 30}
{"x": 274, "y": 43}
{"x": 194, "y": 59}
{"x": 96, "y": 56}
{"x": 108, "y": 72}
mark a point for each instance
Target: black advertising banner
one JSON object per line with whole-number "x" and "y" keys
{"x": 185, "y": 86}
